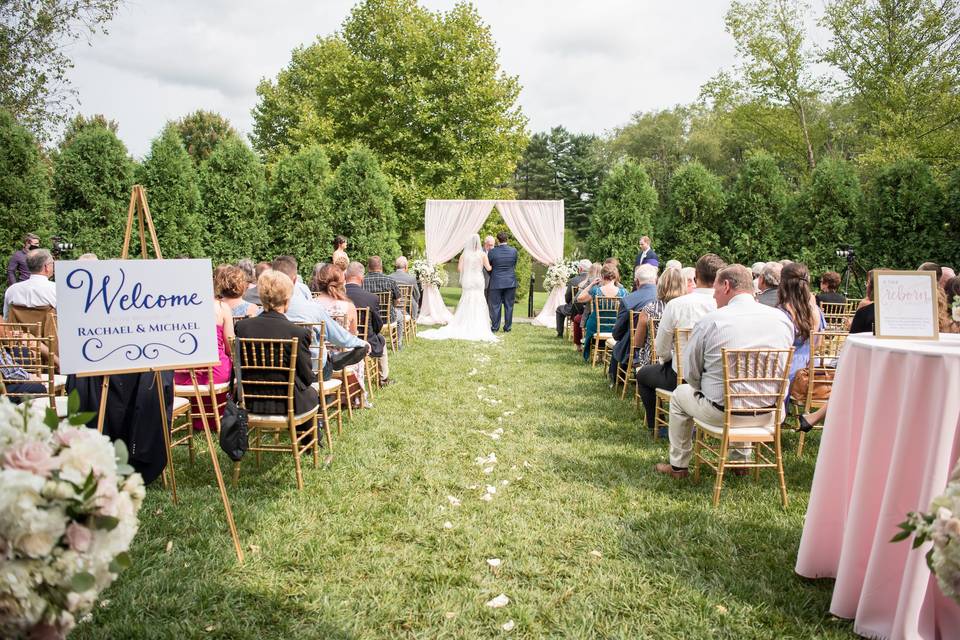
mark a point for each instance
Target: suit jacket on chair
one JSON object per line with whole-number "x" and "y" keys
{"x": 633, "y": 301}
{"x": 503, "y": 262}
{"x": 273, "y": 325}
{"x": 361, "y": 298}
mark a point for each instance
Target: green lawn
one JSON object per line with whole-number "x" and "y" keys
{"x": 592, "y": 543}
{"x": 451, "y": 295}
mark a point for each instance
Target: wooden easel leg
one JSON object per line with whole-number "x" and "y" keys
{"x": 158, "y": 378}
{"x": 101, "y": 413}
{"x": 213, "y": 453}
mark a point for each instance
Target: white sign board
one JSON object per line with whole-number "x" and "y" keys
{"x": 115, "y": 316}
{"x": 906, "y": 304}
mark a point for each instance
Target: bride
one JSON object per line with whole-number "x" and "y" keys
{"x": 472, "y": 318}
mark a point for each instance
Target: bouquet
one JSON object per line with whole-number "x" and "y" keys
{"x": 68, "y": 512}
{"x": 558, "y": 274}
{"x": 428, "y": 273}
{"x": 942, "y": 527}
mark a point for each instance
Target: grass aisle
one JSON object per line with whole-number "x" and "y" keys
{"x": 592, "y": 544}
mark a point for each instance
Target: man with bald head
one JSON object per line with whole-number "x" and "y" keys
{"x": 376, "y": 281}
{"x": 740, "y": 322}
{"x": 402, "y": 276}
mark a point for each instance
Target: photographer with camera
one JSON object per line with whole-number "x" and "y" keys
{"x": 17, "y": 270}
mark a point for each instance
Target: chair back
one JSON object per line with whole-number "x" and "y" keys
{"x": 652, "y": 326}
{"x": 836, "y": 315}
{"x": 406, "y": 298}
{"x": 45, "y": 317}
{"x": 755, "y": 382}
{"x": 825, "y": 347}
{"x": 317, "y": 342}
{"x": 385, "y": 302}
{"x": 21, "y": 354}
{"x": 268, "y": 369}
{"x": 634, "y": 321}
{"x": 605, "y": 308}
{"x": 680, "y": 339}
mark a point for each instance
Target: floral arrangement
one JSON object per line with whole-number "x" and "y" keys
{"x": 942, "y": 527}
{"x": 428, "y": 273}
{"x": 955, "y": 309}
{"x": 68, "y": 512}
{"x": 559, "y": 273}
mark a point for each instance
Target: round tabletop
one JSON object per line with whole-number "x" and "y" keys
{"x": 947, "y": 345}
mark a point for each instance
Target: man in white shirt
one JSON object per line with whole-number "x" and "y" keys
{"x": 739, "y": 322}
{"x": 679, "y": 313}
{"x": 37, "y": 291}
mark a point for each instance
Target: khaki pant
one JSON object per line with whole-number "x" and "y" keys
{"x": 384, "y": 365}
{"x": 686, "y": 405}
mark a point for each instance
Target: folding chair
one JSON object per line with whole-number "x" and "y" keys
{"x": 332, "y": 387}
{"x": 605, "y": 308}
{"x": 824, "y": 351}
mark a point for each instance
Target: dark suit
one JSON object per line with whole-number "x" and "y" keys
{"x": 503, "y": 285}
{"x": 571, "y": 308}
{"x": 650, "y": 258}
{"x": 273, "y": 325}
{"x": 633, "y": 301}
{"x": 364, "y": 299}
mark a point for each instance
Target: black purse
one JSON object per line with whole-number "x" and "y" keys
{"x": 234, "y": 426}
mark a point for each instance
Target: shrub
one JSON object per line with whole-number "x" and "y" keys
{"x": 695, "y": 211}
{"x": 624, "y": 211}
{"x": 297, "y": 206}
{"x": 24, "y": 186}
{"x": 753, "y": 229}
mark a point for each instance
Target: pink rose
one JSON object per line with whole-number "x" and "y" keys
{"x": 107, "y": 496}
{"x": 32, "y": 456}
{"x": 79, "y": 537}
{"x": 66, "y": 436}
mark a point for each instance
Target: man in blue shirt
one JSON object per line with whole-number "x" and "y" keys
{"x": 645, "y": 281}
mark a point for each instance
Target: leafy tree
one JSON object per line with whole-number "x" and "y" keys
{"x": 625, "y": 207}
{"x": 656, "y": 139}
{"x": 92, "y": 177}
{"x": 34, "y": 66}
{"x": 232, "y": 187}
{"x": 201, "y": 131}
{"x": 494, "y": 225}
{"x": 79, "y": 122}
{"x": 755, "y": 210}
{"x": 24, "y": 186}
{"x": 297, "y": 206}
{"x": 951, "y": 250}
{"x": 696, "y": 207}
{"x": 173, "y": 196}
{"x": 422, "y": 89}
{"x": 361, "y": 206}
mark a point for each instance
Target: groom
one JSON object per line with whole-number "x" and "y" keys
{"x": 503, "y": 282}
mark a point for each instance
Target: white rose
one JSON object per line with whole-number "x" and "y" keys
{"x": 87, "y": 451}
{"x": 44, "y": 528}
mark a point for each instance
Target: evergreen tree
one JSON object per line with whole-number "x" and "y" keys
{"x": 362, "y": 206}
{"x": 201, "y": 132}
{"x": 950, "y": 254}
{"x": 824, "y": 211}
{"x": 232, "y": 188}
{"x": 297, "y": 206}
{"x": 755, "y": 212}
{"x": 92, "y": 177}
{"x": 625, "y": 207}
{"x": 24, "y": 186}
{"x": 173, "y": 195}
{"x": 695, "y": 209}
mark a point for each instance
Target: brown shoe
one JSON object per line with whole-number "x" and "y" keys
{"x": 667, "y": 469}
{"x": 740, "y": 472}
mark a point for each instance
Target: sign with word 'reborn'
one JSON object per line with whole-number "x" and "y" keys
{"x": 906, "y": 304}
{"x": 117, "y": 316}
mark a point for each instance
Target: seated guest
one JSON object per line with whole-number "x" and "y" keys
{"x": 249, "y": 271}
{"x": 690, "y": 278}
{"x": 829, "y": 283}
{"x": 37, "y": 291}
{"x": 932, "y": 266}
{"x": 644, "y": 292}
{"x": 570, "y": 308}
{"x": 739, "y": 322}
{"x": 376, "y": 281}
{"x": 669, "y": 286}
{"x": 944, "y": 312}
{"x": 366, "y": 300}
{"x": 88, "y": 256}
{"x": 797, "y": 301}
{"x": 593, "y": 273}
{"x": 769, "y": 282}
{"x": 332, "y": 294}
{"x": 757, "y": 271}
{"x": 615, "y": 262}
{"x": 674, "y": 264}
{"x": 952, "y": 291}
{"x": 299, "y": 287}
{"x": 864, "y": 317}
{"x": 680, "y": 313}
{"x": 276, "y": 290}
{"x": 402, "y": 276}
{"x": 606, "y": 285}
{"x": 252, "y": 295}
{"x": 230, "y": 286}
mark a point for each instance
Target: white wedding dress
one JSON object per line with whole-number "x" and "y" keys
{"x": 471, "y": 321}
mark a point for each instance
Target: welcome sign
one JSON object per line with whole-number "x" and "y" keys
{"x": 906, "y": 304}
{"x": 117, "y": 316}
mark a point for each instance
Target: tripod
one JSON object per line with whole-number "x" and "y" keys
{"x": 855, "y": 271}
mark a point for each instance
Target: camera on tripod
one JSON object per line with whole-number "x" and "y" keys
{"x": 60, "y": 248}
{"x": 846, "y": 251}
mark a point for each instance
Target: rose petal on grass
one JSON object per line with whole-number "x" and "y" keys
{"x": 454, "y": 501}
{"x": 450, "y": 615}
{"x": 491, "y": 489}
{"x": 500, "y": 601}
{"x": 596, "y": 554}
{"x": 504, "y": 483}
{"x": 488, "y": 470}
{"x": 508, "y": 626}
{"x": 486, "y": 497}
{"x": 472, "y": 372}
{"x": 170, "y": 542}
{"x": 494, "y": 562}
{"x": 448, "y": 525}
{"x": 721, "y": 609}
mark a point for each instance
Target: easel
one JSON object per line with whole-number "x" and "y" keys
{"x": 138, "y": 207}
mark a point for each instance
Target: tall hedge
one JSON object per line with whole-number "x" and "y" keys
{"x": 173, "y": 195}
{"x": 695, "y": 212}
{"x": 232, "y": 188}
{"x": 625, "y": 206}
{"x": 92, "y": 177}
{"x": 951, "y": 211}
{"x": 824, "y": 212}
{"x": 24, "y": 187}
{"x": 362, "y": 207}
{"x": 758, "y": 202}
{"x": 297, "y": 206}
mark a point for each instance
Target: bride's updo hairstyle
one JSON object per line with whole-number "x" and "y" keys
{"x": 329, "y": 280}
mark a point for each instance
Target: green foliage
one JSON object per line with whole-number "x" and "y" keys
{"x": 297, "y": 206}
{"x": 232, "y": 187}
{"x": 24, "y": 186}
{"x": 904, "y": 222}
{"x": 494, "y": 225}
{"x": 755, "y": 212}
{"x": 823, "y": 213}
{"x": 173, "y": 196}
{"x": 201, "y": 132}
{"x": 696, "y": 206}
{"x": 80, "y": 122}
{"x": 361, "y": 207}
{"x": 624, "y": 212}
{"x": 92, "y": 177}
{"x": 951, "y": 251}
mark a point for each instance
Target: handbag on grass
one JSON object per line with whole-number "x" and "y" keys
{"x": 234, "y": 436}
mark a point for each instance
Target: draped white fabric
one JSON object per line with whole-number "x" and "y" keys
{"x": 536, "y": 224}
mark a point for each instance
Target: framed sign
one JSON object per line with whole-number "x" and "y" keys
{"x": 120, "y": 316}
{"x": 906, "y": 304}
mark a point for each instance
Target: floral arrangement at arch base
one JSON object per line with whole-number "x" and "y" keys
{"x": 559, "y": 273}
{"x": 68, "y": 513}
{"x": 428, "y": 273}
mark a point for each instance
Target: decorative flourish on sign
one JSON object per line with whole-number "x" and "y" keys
{"x": 133, "y": 352}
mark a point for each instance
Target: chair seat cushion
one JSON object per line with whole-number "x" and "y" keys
{"x": 605, "y": 335}
{"x": 59, "y": 380}
{"x": 180, "y": 404}
{"x": 187, "y": 389}
{"x": 298, "y": 419}
{"x": 329, "y": 386}
{"x": 743, "y": 428}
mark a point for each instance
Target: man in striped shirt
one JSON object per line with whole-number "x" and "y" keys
{"x": 740, "y": 322}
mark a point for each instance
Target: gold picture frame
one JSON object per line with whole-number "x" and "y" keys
{"x": 910, "y": 285}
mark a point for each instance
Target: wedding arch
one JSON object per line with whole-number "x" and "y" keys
{"x": 536, "y": 224}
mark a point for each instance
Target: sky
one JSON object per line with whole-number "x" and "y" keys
{"x": 586, "y": 65}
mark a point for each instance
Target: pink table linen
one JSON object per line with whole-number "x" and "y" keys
{"x": 888, "y": 447}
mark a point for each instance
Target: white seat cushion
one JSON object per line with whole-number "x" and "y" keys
{"x": 60, "y": 401}
{"x": 605, "y": 335}
{"x": 743, "y": 427}
{"x": 329, "y": 386}
{"x": 257, "y": 417}
{"x": 180, "y": 404}
{"x": 187, "y": 389}
{"x": 611, "y": 343}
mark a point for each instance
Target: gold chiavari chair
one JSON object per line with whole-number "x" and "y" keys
{"x": 652, "y": 325}
{"x": 605, "y": 308}
{"x": 385, "y": 301}
{"x": 625, "y": 376}
{"x": 661, "y": 412}
{"x": 568, "y": 323}
{"x": 328, "y": 390}
{"x": 836, "y": 315}
{"x": 22, "y": 362}
{"x": 754, "y": 389}
{"x": 371, "y": 365}
{"x": 824, "y": 351}
{"x": 268, "y": 369}
{"x": 45, "y": 317}
{"x": 406, "y": 309}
